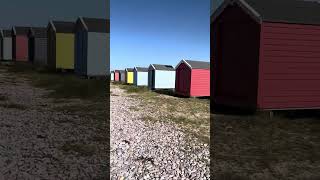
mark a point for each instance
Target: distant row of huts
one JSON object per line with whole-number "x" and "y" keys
{"x": 188, "y": 78}
{"x": 82, "y": 46}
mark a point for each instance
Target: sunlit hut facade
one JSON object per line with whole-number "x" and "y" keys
{"x": 38, "y": 45}
{"x": 6, "y": 45}
{"x": 129, "y": 75}
{"x": 117, "y": 75}
{"x": 92, "y": 46}
{"x": 193, "y": 78}
{"x": 161, "y": 76}
{"x": 61, "y": 45}
{"x": 20, "y": 43}
{"x": 266, "y": 55}
{"x": 112, "y": 75}
{"x": 122, "y": 75}
{"x": 140, "y": 76}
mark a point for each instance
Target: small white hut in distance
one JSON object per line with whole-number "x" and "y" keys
{"x": 140, "y": 76}
{"x": 161, "y": 76}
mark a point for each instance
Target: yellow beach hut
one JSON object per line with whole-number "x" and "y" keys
{"x": 61, "y": 45}
{"x": 129, "y": 75}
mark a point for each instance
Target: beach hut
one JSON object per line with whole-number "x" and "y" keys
{"x": 140, "y": 76}
{"x": 92, "y": 52}
{"x": 161, "y": 76}
{"x": 112, "y": 75}
{"x": 6, "y": 45}
{"x": 20, "y": 43}
{"x": 193, "y": 78}
{"x": 122, "y": 75}
{"x": 38, "y": 45}
{"x": 129, "y": 75}
{"x": 266, "y": 55}
{"x": 116, "y": 75}
{"x": 61, "y": 45}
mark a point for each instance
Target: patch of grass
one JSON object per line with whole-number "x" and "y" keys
{"x": 14, "y": 106}
{"x": 81, "y": 149}
{"x": 133, "y": 89}
{"x": 64, "y": 85}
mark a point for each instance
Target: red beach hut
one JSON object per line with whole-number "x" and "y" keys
{"x": 266, "y": 55}
{"x": 193, "y": 78}
{"x": 20, "y": 43}
{"x": 116, "y": 75}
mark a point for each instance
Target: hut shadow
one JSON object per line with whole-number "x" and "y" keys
{"x": 299, "y": 114}
{"x": 171, "y": 92}
{"x": 229, "y": 110}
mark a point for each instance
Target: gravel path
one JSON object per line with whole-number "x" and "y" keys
{"x": 145, "y": 150}
{"x": 37, "y": 142}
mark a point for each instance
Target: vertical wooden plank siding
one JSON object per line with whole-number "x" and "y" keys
{"x": 183, "y": 80}
{"x": 129, "y": 77}
{"x": 21, "y": 48}
{"x": 142, "y": 79}
{"x": 165, "y": 79}
{"x": 7, "y": 48}
{"x": 64, "y": 51}
{"x": 97, "y": 63}
{"x": 289, "y": 65}
{"x": 40, "y": 51}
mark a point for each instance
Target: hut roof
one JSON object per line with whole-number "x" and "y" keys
{"x": 40, "y": 32}
{"x": 285, "y": 11}
{"x": 5, "y": 33}
{"x": 141, "y": 69}
{"x": 162, "y": 67}
{"x": 96, "y": 24}
{"x": 63, "y": 26}
{"x": 196, "y": 64}
{"x": 20, "y": 30}
{"x": 129, "y": 69}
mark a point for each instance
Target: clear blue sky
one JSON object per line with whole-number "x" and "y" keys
{"x": 158, "y": 31}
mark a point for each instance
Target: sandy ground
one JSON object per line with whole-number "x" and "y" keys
{"x": 151, "y": 150}
{"x": 39, "y": 142}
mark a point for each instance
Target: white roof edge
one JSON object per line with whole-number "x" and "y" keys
{"x": 153, "y": 67}
{"x": 53, "y": 27}
{"x": 185, "y": 63}
{"x": 14, "y": 30}
{"x": 84, "y": 24}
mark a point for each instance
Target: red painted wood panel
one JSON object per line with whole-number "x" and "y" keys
{"x": 200, "y": 82}
{"x": 21, "y": 48}
{"x": 183, "y": 79}
{"x": 116, "y": 76}
{"x": 289, "y": 75}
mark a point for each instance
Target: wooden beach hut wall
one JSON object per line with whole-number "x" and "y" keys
{"x": 20, "y": 43}
{"x": 61, "y": 45}
{"x": 112, "y": 75}
{"x": 92, "y": 52}
{"x": 140, "y": 76}
{"x": 193, "y": 78}
{"x": 129, "y": 75}
{"x": 266, "y": 55}
{"x": 116, "y": 75}
{"x": 38, "y": 45}
{"x": 161, "y": 76}
{"x": 122, "y": 75}
{"x": 6, "y": 45}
